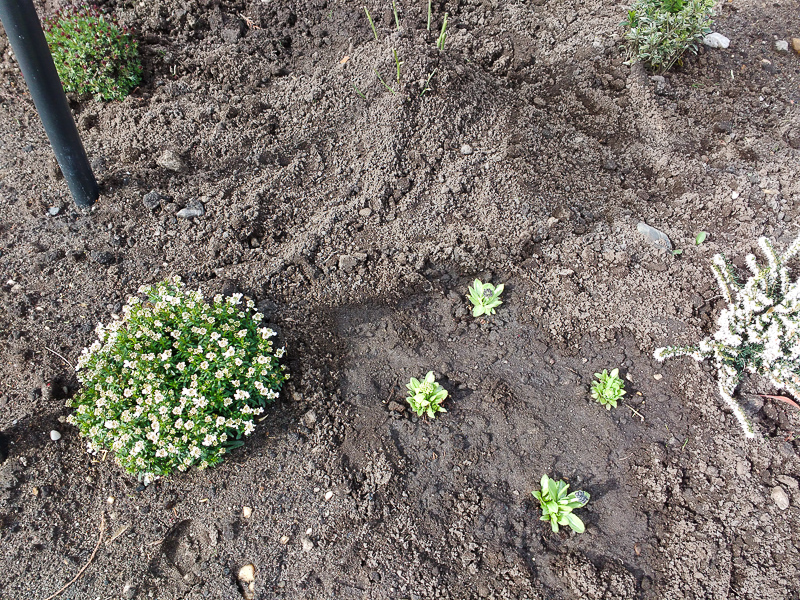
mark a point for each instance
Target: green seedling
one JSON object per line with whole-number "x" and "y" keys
{"x": 429, "y": 14}
{"x": 443, "y": 35}
{"x": 485, "y": 297}
{"x": 372, "y": 24}
{"x": 677, "y": 252}
{"x": 358, "y": 91}
{"x": 426, "y": 87}
{"x": 701, "y": 237}
{"x": 92, "y": 53}
{"x": 608, "y": 388}
{"x": 426, "y": 396}
{"x": 386, "y": 85}
{"x": 397, "y": 62}
{"x": 557, "y": 505}
{"x": 396, "y": 18}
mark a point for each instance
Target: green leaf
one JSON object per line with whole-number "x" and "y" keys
{"x": 701, "y": 237}
{"x": 575, "y": 523}
{"x": 552, "y": 489}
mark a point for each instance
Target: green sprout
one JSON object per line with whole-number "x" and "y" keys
{"x": 369, "y": 18}
{"x": 608, "y": 388}
{"x": 485, "y": 297}
{"x": 93, "y": 53}
{"x": 701, "y": 237}
{"x": 396, "y": 18}
{"x": 557, "y": 505}
{"x": 429, "y": 14}
{"x": 443, "y": 35}
{"x": 427, "y": 86}
{"x": 386, "y": 85}
{"x": 426, "y": 396}
{"x": 398, "y": 62}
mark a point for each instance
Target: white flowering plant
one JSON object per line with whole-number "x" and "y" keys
{"x": 426, "y": 396}
{"x": 485, "y": 297}
{"x": 176, "y": 381}
{"x": 759, "y": 330}
{"x": 557, "y": 505}
{"x": 608, "y": 388}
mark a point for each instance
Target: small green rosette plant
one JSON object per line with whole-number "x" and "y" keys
{"x": 176, "y": 381}
{"x": 426, "y": 396}
{"x": 608, "y": 388}
{"x": 557, "y": 505}
{"x": 93, "y": 53}
{"x": 484, "y": 297}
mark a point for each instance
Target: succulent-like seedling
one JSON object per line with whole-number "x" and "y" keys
{"x": 426, "y": 396}
{"x": 485, "y": 297}
{"x": 608, "y": 388}
{"x": 557, "y": 505}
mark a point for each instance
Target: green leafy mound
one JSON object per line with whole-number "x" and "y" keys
{"x": 93, "y": 54}
{"x": 659, "y": 32}
{"x": 176, "y": 381}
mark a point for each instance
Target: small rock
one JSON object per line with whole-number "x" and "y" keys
{"x": 796, "y": 44}
{"x": 247, "y": 581}
{"x": 347, "y": 263}
{"x": 170, "y": 161}
{"x": 54, "y": 210}
{"x": 284, "y": 539}
{"x": 365, "y": 212}
{"x": 309, "y": 419}
{"x": 782, "y": 46}
{"x": 780, "y": 498}
{"x": 658, "y": 376}
{"x": 466, "y": 149}
{"x": 540, "y": 102}
{"x": 152, "y": 200}
{"x": 657, "y": 238}
{"x": 734, "y": 195}
{"x": 716, "y": 40}
{"x": 247, "y": 512}
{"x": 55, "y": 435}
{"x": 328, "y": 495}
{"x": 102, "y": 257}
{"x": 308, "y": 545}
{"x": 195, "y": 208}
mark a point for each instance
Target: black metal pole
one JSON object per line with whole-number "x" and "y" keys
{"x": 30, "y": 47}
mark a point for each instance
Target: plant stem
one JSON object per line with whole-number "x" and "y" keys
{"x": 396, "y": 19}
{"x": 427, "y": 88}
{"x": 398, "y": 63}
{"x": 369, "y": 18}
{"x": 358, "y": 91}
{"x": 384, "y": 83}
{"x": 443, "y": 35}
{"x": 429, "y": 14}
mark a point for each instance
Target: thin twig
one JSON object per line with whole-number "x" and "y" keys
{"x": 636, "y": 412}
{"x": 69, "y": 364}
{"x": 116, "y": 535}
{"x": 91, "y": 558}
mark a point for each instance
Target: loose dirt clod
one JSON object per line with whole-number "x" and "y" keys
{"x": 247, "y": 581}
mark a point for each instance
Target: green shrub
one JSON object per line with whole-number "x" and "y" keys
{"x": 660, "y": 31}
{"x": 93, "y": 54}
{"x": 176, "y": 381}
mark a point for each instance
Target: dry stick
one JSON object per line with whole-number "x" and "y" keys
{"x": 91, "y": 558}
{"x": 59, "y": 356}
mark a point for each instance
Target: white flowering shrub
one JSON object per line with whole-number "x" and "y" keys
{"x": 759, "y": 331}
{"x": 176, "y": 381}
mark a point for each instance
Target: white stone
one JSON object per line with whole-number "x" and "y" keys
{"x": 55, "y": 435}
{"x": 779, "y": 496}
{"x": 782, "y": 46}
{"x": 716, "y": 40}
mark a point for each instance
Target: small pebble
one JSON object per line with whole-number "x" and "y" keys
{"x": 328, "y": 495}
{"x": 110, "y": 500}
{"x": 657, "y": 376}
{"x": 466, "y": 149}
{"x": 247, "y": 512}
{"x": 734, "y": 195}
{"x": 55, "y": 435}
{"x": 308, "y": 531}
{"x": 284, "y": 539}
{"x": 54, "y": 210}
{"x": 782, "y": 46}
{"x": 308, "y": 545}
{"x": 780, "y": 498}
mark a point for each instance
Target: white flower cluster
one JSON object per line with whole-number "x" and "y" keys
{"x": 759, "y": 331}
{"x": 176, "y": 381}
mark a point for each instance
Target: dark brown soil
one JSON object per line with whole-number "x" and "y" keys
{"x": 357, "y": 217}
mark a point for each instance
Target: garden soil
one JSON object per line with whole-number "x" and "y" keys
{"x": 356, "y": 214}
